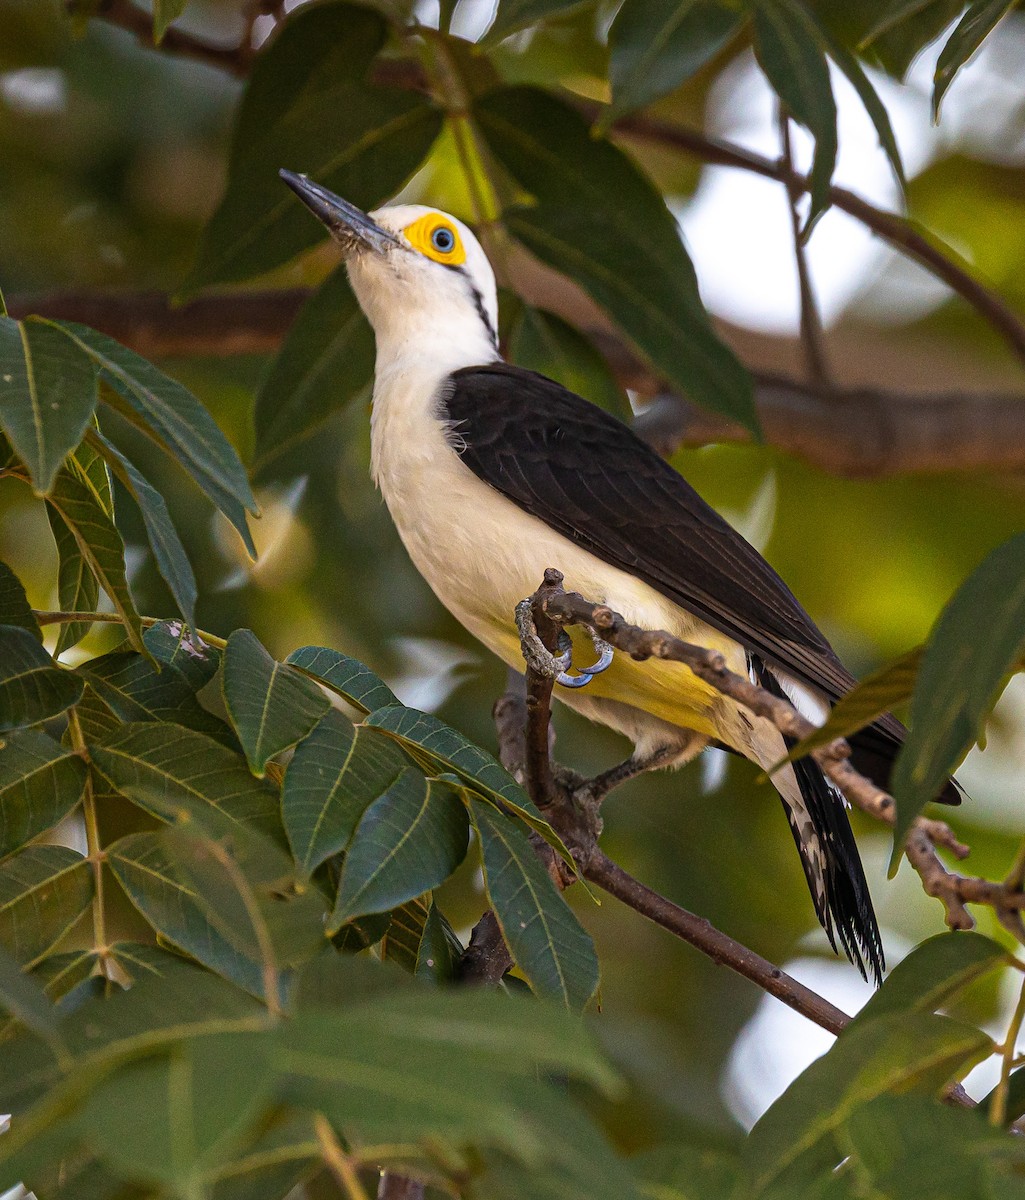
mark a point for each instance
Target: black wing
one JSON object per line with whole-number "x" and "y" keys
{"x": 587, "y": 475}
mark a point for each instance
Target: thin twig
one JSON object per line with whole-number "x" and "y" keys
{"x": 60, "y": 617}
{"x": 998, "y": 1105}
{"x": 337, "y": 1161}
{"x": 811, "y": 324}
{"x": 124, "y": 14}
{"x": 94, "y": 846}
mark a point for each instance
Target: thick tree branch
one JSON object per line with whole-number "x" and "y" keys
{"x": 855, "y": 432}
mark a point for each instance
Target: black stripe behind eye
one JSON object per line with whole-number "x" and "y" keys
{"x": 478, "y": 301}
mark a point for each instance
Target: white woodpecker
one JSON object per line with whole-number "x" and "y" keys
{"x": 492, "y": 473}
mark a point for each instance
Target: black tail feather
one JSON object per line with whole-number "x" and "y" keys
{"x": 829, "y": 855}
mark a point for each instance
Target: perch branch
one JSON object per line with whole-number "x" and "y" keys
{"x": 953, "y": 890}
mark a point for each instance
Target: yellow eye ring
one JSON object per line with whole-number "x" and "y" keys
{"x": 436, "y": 238}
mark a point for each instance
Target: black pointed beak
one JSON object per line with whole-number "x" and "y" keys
{"x": 347, "y": 223}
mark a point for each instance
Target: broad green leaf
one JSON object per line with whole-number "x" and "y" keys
{"x": 47, "y": 396}
{"x": 411, "y": 1062}
{"x": 334, "y": 774}
{"x": 602, "y": 222}
{"x": 43, "y": 892}
{"x": 41, "y": 781}
{"x": 916, "y": 1148}
{"x": 683, "y": 1172}
{"x": 172, "y": 561}
{"x": 548, "y": 944}
{"x": 346, "y": 676}
{"x": 362, "y": 933}
{"x": 407, "y": 842}
{"x": 656, "y": 45}
{"x": 144, "y": 869}
{"x": 876, "y": 694}
{"x": 22, "y": 998}
{"x": 440, "y": 749}
{"x": 14, "y": 606}
{"x": 271, "y": 1165}
{"x": 981, "y": 18}
{"x": 99, "y": 544}
{"x": 77, "y": 589}
{"x": 898, "y": 1051}
{"x": 974, "y": 645}
{"x": 788, "y": 47}
{"x": 271, "y": 705}
{"x": 173, "y": 643}
{"x": 360, "y": 141}
{"x": 514, "y": 15}
{"x": 32, "y": 686}
{"x": 327, "y": 361}
{"x": 311, "y": 51}
{"x": 244, "y": 884}
{"x": 164, "y": 12}
{"x": 932, "y": 972}
{"x": 168, "y": 1120}
{"x": 136, "y": 690}
{"x": 174, "y": 419}
{"x": 421, "y": 941}
{"x": 177, "y": 764}
{"x": 543, "y": 342}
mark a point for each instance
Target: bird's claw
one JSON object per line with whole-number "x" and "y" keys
{"x": 558, "y": 666}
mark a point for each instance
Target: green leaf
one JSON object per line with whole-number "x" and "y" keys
{"x": 602, "y": 222}
{"x": 905, "y": 29}
{"x": 876, "y": 694}
{"x": 164, "y": 12}
{"x": 327, "y": 361}
{"x": 362, "y": 933}
{"x": 933, "y": 972}
{"x": 915, "y": 1148}
{"x": 271, "y": 705}
{"x": 548, "y": 944}
{"x": 421, "y": 941}
{"x": 41, "y": 781}
{"x": 787, "y": 43}
{"x": 271, "y": 1165}
{"x": 407, "y": 842}
{"x": 174, "y": 419}
{"x": 172, "y": 561}
{"x": 99, "y": 544}
{"x": 514, "y": 15}
{"x": 169, "y": 1120}
{"x": 896, "y": 1051}
{"x": 543, "y": 342}
{"x": 333, "y": 776}
{"x": 439, "y": 749}
{"x": 23, "y": 998}
{"x": 77, "y": 589}
{"x": 656, "y": 45}
{"x": 14, "y": 606}
{"x": 141, "y": 864}
{"x": 32, "y": 687}
{"x": 346, "y": 676}
{"x": 974, "y": 645}
{"x": 172, "y": 643}
{"x": 869, "y": 97}
{"x": 311, "y": 110}
{"x": 47, "y": 396}
{"x": 981, "y": 18}
{"x": 681, "y": 1172}
{"x": 179, "y": 766}
{"x": 1015, "y": 1096}
{"x": 43, "y": 892}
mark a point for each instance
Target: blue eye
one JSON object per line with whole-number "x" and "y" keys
{"x": 443, "y": 240}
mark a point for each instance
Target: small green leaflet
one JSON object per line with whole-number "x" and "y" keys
{"x": 975, "y": 26}
{"x": 14, "y": 605}
{"x": 32, "y": 686}
{"x": 43, "y": 892}
{"x": 346, "y": 676}
{"x": 41, "y": 781}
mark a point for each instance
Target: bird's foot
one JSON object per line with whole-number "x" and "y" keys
{"x": 557, "y": 666}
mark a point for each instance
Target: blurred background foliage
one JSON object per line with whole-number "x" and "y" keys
{"x": 113, "y": 157}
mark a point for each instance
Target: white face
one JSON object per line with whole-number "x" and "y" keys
{"x": 435, "y": 288}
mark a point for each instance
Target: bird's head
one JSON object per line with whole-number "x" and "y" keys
{"x": 417, "y": 272}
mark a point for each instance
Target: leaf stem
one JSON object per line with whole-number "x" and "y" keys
{"x": 998, "y": 1105}
{"x": 338, "y": 1162}
{"x": 95, "y": 855}
{"x": 58, "y": 617}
